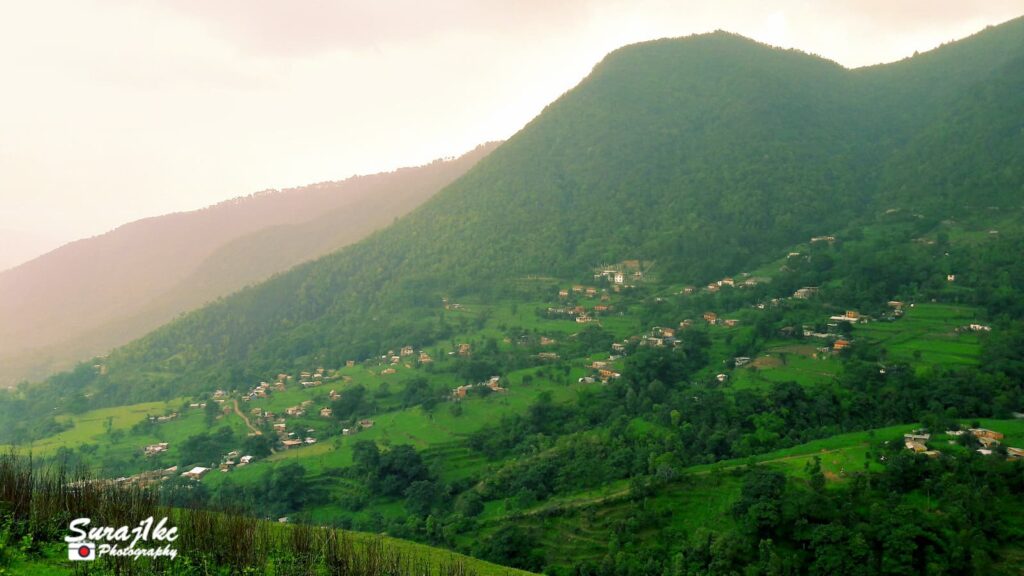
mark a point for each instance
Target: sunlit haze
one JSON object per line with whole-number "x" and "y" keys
{"x": 114, "y": 110}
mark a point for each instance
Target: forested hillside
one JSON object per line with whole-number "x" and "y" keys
{"x": 704, "y": 155}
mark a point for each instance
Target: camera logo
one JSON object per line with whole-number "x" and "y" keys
{"x": 81, "y": 551}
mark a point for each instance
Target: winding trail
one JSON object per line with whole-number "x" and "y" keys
{"x": 245, "y": 419}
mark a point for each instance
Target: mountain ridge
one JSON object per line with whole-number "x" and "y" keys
{"x": 119, "y": 285}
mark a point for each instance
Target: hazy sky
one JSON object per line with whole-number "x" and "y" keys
{"x": 112, "y": 110}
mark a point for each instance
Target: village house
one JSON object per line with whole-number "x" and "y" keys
{"x": 563, "y": 293}
{"x": 196, "y": 473}
{"x": 334, "y": 395}
{"x": 545, "y": 341}
{"x": 219, "y": 394}
{"x": 688, "y": 290}
{"x": 616, "y": 347}
{"x": 727, "y": 282}
{"x": 917, "y": 437}
{"x": 805, "y": 292}
{"x": 607, "y": 375}
{"x": 619, "y": 278}
{"x": 1014, "y": 453}
{"x": 280, "y": 426}
{"x": 684, "y": 324}
{"x": 154, "y": 449}
{"x": 494, "y": 384}
{"x": 816, "y": 239}
{"x": 721, "y": 377}
{"x": 366, "y": 424}
{"x": 741, "y": 360}
{"x": 586, "y": 380}
{"x": 915, "y": 446}
{"x": 350, "y": 363}
{"x": 387, "y": 371}
{"x": 294, "y": 411}
{"x": 840, "y": 345}
{"x": 326, "y": 412}
{"x": 577, "y": 289}
{"x": 591, "y": 291}
{"x": 988, "y": 442}
{"x": 730, "y": 322}
{"x": 425, "y": 358}
{"x": 979, "y": 328}
{"x": 309, "y": 440}
{"x": 713, "y": 287}
{"x": 465, "y": 349}
{"x": 407, "y": 351}
{"x": 548, "y": 356}
{"x": 244, "y": 460}
{"x": 289, "y": 444}
{"x": 583, "y": 319}
{"x": 985, "y": 433}
{"x": 711, "y": 317}
{"x": 951, "y": 277}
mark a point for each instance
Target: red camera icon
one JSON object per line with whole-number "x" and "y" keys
{"x": 81, "y": 551}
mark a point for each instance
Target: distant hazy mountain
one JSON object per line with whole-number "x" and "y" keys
{"x": 91, "y": 295}
{"x": 19, "y": 246}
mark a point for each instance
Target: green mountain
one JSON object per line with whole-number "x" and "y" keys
{"x": 704, "y": 155}
{"x": 626, "y": 445}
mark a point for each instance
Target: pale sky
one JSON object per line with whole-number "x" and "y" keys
{"x": 113, "y": 110}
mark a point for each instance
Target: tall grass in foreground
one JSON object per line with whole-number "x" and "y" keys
{"x": 36, "y": 505}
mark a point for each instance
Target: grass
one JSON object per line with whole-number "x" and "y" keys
{"x": 926, "y": 335}
{"x": 90, "y": 427}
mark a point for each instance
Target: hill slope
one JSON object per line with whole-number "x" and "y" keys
{"x": 120, "y": 285}
{"x": 705, "y": 155}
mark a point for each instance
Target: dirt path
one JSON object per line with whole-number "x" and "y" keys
{"x": 245, "y": 419}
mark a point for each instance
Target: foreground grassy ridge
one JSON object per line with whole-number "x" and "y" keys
{"x": 39, "y": 504}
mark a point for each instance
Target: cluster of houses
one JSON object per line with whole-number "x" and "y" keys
{"x": 164, "y": 418}
{"x": 620, "y": 275}
{"x": 142, "y": 479}
{"x": 494, "y": 384}
{"x": 364, "y": 424}
{"x": 233, "y": 460}
{"x": 580, "y": 314}
{"x": 404, "y": 354}
{"x": 988, "y": 439}
{"x": 154, "y": 449}
{"x": 603, "y": 371}
{"x": 727, "y": 282}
